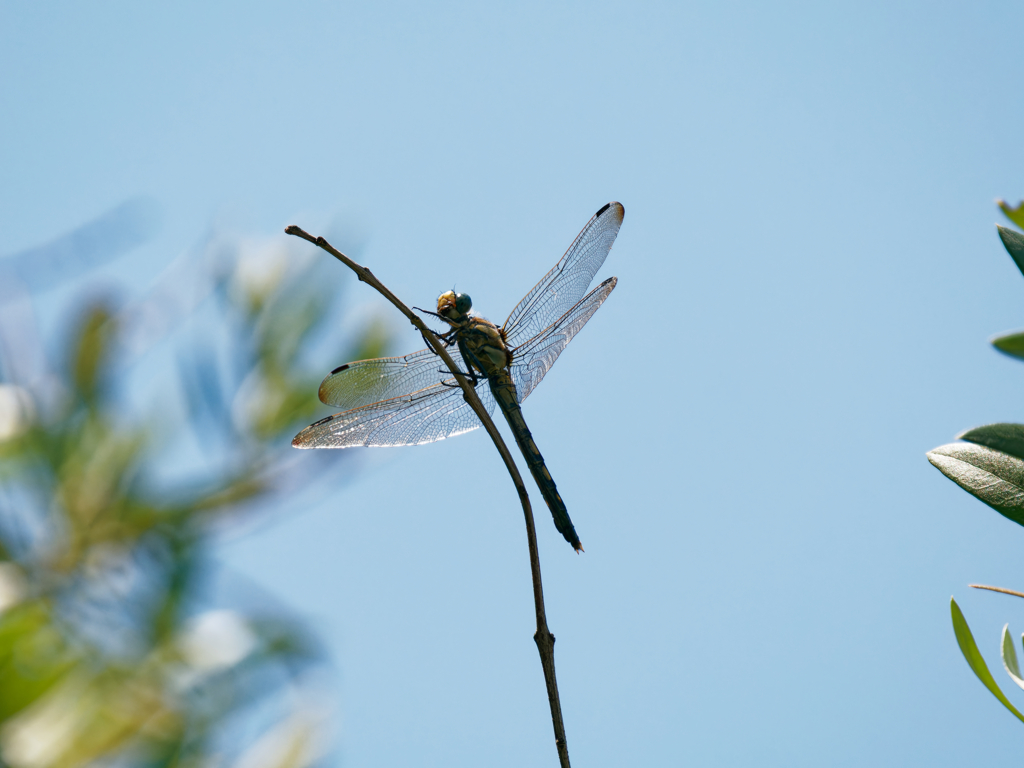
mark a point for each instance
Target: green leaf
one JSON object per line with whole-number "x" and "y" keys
{"x": 1011, "y": 344}
{"x": 33, "y": 656}
{"x": 1006, "y": 438}
{"x": 1016, "y": 215}
{"x": 1014, "y": 244}
{"x": 993, "y": 477}
{"x": 89, "y": 355}
{"x": 1009, "y": 655}
{"x": 970, "y": 651}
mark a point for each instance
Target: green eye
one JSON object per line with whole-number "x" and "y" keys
{"x": 463, "y": 303}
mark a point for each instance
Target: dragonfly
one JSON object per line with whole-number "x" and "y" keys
{"x": 414, "y": 399}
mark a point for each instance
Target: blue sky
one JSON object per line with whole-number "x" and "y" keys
{"x": 808, "y": 274}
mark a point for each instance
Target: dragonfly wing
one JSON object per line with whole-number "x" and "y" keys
{"x": 365, "y": 382}
{"x": 532, "y": 360}
{"x": 426, "y": 416}
{"x": 568, "y": 281}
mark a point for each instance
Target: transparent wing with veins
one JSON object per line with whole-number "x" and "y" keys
{"x": 389, "y": 401}
{"x": 533, "y": 359}
{"x": 568, "y": 280}
{"x": 365, "y": 382}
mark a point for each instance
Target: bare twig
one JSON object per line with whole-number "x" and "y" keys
{"x": 1004, "y": 590}
{"x": 543, "y": 637}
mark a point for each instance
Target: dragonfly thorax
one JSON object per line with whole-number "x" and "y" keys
{"x": 482, "y": 345}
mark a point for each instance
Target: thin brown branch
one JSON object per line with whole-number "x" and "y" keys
{"x": 1004, "y": 590}
{"x": 543, "y": 637}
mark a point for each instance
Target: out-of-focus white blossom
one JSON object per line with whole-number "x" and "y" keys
{"x": 216, "y": 640}
{"x": 12, "y": 585}
{"x": 17, "y": 411}
{"x": 260, "y": 267}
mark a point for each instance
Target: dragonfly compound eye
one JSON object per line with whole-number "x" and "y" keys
{"x": 463, "y": 303}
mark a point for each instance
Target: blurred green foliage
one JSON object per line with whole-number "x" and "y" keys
{"x": 989, "y": 464}
{"x": 110, "y": 651}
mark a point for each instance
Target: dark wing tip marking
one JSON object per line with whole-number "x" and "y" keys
{"x": 613, "y": 280}
{"x": 302, "y": 439}
{"x": 339, "y": 369}
{"x": 604, "y": 208}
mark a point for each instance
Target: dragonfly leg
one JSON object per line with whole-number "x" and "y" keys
{"x": 470, "y": 375}
{"x": 446, "y": 338}
{"x": 433, "y": 314}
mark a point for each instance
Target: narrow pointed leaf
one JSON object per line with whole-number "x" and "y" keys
{"x": 1014, "y": 244}
{"x": 1011, "y": 344}
{"x": 993, "y": 477}
{"x": 112, "y": 234}
{"x": 1006, "y": 438}
{"x": 1016, "y": 215}
{"x": 1009, "y": 655}
{"x": 974, "y": 658}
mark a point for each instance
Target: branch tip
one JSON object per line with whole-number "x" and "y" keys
{"x": 291, "y": 229}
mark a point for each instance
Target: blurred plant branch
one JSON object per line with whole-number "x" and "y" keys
{"x": 110, "y": 650}
{"x": 544, "y": 639}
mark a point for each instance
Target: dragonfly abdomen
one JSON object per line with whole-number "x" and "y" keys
{"x": 504, "y": 392}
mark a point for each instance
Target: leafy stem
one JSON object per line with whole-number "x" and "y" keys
{"x": 988, "y": 463}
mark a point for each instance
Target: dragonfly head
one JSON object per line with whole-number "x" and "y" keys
{"x": 454, "y": 305}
